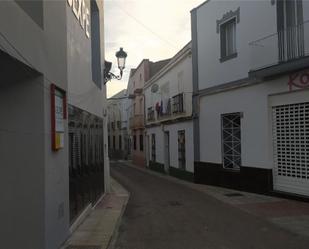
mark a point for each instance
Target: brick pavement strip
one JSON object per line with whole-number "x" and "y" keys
{"x": 98, "y": 229}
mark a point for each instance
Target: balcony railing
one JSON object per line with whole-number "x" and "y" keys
{"x": 170, "y": 108}
{"x": 150, "y": 114}
{"x": 137, "y": 122}
{"x": 285, "y": 46}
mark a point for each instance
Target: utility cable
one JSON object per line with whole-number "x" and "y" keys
{"x": 146, "y": 27}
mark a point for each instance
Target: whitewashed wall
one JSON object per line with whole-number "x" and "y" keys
{"x": 159, "y": 143}
{"x": 170, "y": 86}
{"x": 173, "y": 131}
{"x": 256, "y": 133}
{"x": 257, "y": 20}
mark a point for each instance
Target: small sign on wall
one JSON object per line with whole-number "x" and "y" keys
{"x": 58, "y": 116}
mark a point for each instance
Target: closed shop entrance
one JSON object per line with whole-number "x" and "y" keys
{"x": 291, "y": 145}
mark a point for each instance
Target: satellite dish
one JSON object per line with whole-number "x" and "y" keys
{"x": 154, "y": 88}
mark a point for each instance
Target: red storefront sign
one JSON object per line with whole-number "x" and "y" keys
{"x": 58, "y": 116}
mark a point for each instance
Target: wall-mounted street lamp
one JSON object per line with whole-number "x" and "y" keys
{"x": 121, "y": 60}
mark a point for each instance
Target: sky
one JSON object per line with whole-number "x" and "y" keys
{"x": 146, "y": 29}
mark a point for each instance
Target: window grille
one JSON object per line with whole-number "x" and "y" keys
{"x": 178, "y": 103}
{"x": 86, "y": 160}
{"x": 231, "y": 140}
{"x": 291, "y": 140}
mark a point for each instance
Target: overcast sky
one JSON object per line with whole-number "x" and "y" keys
{"x": 146, "y": 29}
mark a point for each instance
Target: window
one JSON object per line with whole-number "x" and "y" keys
{"x": 290, "y": 25}
{"x": 182, "y": 149}
{"x": 228, "y": 39}
{"x": 141, "y": 142}
{"x": 134, "y": 142}
{"x": 178, "y": 103}
{"x": 153, "y": 147}
{"x": 120, "y": 142}
{"x": 119, "y": 125}
{"x": 109, "y": 142}
{"x": 231, "y": 140}
{"x": 114, "y": 142}
{"x": 95, "y": 44}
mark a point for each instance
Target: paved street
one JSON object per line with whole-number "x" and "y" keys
{"x": 164, "y": 214}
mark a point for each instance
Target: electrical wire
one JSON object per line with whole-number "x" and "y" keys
{"x": 146, "y": 27}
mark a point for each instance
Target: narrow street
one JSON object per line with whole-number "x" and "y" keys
{"x": 162, "y": 214}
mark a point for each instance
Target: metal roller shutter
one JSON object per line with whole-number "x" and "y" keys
{"x": 291, "y": 148}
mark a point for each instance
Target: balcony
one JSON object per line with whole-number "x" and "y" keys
{"x": 178, "y": 106}
{"x": 283, "y": 52}
{"x": 137, "y": 122}
{"x": 150, "y": 114}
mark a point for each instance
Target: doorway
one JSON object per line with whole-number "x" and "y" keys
{"x": 166, "y": 151}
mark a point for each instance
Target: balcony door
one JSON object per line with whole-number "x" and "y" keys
{"x": 290, "y": 24}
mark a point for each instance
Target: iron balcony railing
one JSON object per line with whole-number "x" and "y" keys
{"x": 171, "y": 108}
{"x": 284, "y": 46}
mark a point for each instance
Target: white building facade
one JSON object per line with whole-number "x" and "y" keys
{"x": 118, "y": 139}
{"x": 53, "y": 134}
{"x": 250, "y": 82}
{"x": 169, "y": 126}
